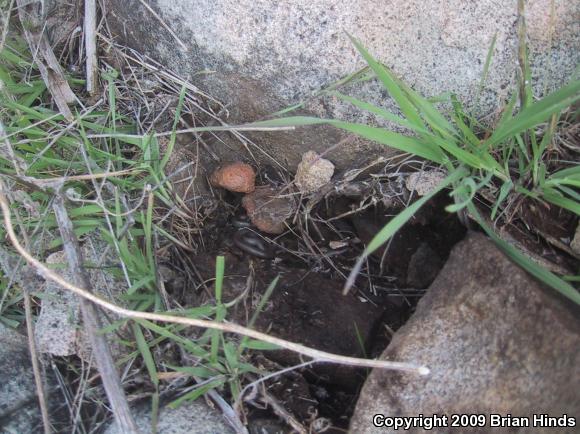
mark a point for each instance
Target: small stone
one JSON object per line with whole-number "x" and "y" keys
{"x": 423, "y": 267}
{"x": 334, "y": 245}
{"x": 313, "y": 172}
{"x": 268, "y": 210}
{"x": 237, "y": 177}
{"x": 192, "y": 417}
{"x": 575, "y": 244}
{"x": 424, "y": 182}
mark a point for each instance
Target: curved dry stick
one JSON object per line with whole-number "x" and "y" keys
{"x": 317, "y": 355}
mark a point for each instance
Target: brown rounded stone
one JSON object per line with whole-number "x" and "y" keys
{"x": 237, "y": 177}
{"x": 268, "y": 210}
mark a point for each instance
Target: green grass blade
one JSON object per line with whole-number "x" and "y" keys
{"x": 390, "y": 85}
{"x": 434, "y": 118}
{"x": 527, "y": 264}
{"x": 219, "y": 278}
{"x": 537, "y": 113}
{"x": 503, "y": 194}
{"x": 397, "y": 223}
{"x": 171, "y": 143}
{"x": 263, "y": 300}
{"x": 398, "y": 141}
{"x": 196, "y": 393}
{"x": 231, "y": 354}
{"x": 554, "y": 197}
{"x": 195, "y": 371}
{"x": 146, "y": 354}
{"x": 570, "y": 192}
{"x": 188, "y": 344}
{"x": 220, "y": 308}
{"x": 385, "y": 114}
{"x": 253, "y": 344}
{"x": 485, "y": 73}
{"x": 568, "y": 173}
{"x": 403, "y": 143}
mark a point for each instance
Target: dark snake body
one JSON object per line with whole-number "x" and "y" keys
{"x": 252, "y": 243}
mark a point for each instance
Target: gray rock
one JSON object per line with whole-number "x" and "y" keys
{"x": 496, "y": 341}
{"x": 19, "y": 409}
{"x": 59, "y": 330}
{"x": 424, "y": 181}
{"x": 423, "y": 267}
{"x": 190, "y": 418}
{"x": 313, "y": 172}
{"x": 575, "y": 243}
{"x": 260, "y": 56}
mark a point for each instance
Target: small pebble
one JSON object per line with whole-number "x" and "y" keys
{"x": 313, "y": 172}
{"x": 335, "y": 245}
{"x": 424, "y": 182}
{"x": 237, "y": 177}
{"x": 575, "y": 244}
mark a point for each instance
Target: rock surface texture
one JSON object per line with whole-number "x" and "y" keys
{"x": 313, "y": 172}
{"x": 190, "y": 418}
{"x": 19, "y": 410}
{"x": 59, "y": 329}
{"x": 237, "y": 177}
{"x": 265, "y": 55}
{"x": 496, "y": 341}
{"x": 269, "y": 209}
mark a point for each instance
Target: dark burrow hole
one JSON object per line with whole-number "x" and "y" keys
{"x": 312, "y": 260}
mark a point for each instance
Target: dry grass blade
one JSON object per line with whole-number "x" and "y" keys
{"x": 90, "y": 28}
{"x": 50, "y": 69}
{"x": 35, "y": 365}
{"x": 5, "y": 23}
{"x": 92, "y": 324}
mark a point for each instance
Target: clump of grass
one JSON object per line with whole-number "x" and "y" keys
{"x": 130, "y": 211}
{"x": 507, "y": 161}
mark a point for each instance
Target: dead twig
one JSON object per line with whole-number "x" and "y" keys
{"x": 316, "y": 355}
{"x": 35, "y": 365}
{"x": 5, "y": 21}
{"x": 226, "y": 410}
{"x": 90, "y": 28}
{"x": 92, "y": 324}
{"x": 59, "y": 180}
{"x": 252, "y": 387}
{"x": 30, "y": 16}
{"x": 281, "y": 412}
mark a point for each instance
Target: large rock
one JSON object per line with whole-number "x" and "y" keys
{"x": 19, "y": 408}
{"x": 496, "y": 341}
{"x": 258, "y": 56}
{"x": 190, "y": 418}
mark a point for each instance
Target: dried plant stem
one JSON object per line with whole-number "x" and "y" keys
{"x": 50, "y": 69}
{"x": 100, "y": 348}
{"x": 35, "y": 365}
{"x": 282, "y": 413}
{"x": 90, "y": 29}
{"x": 317, "y": 355}
{"x": 5, "y": 21}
